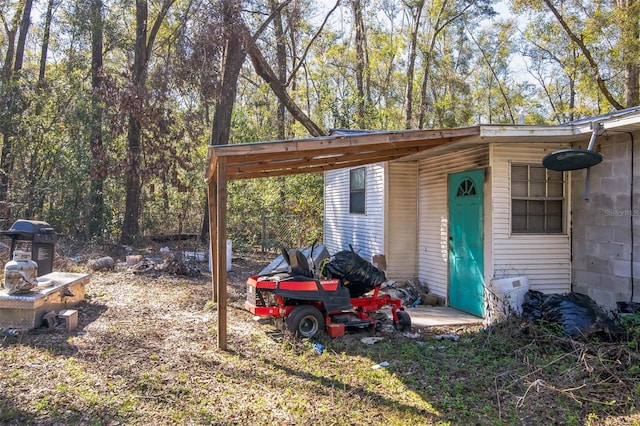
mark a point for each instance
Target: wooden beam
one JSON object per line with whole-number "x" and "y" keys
{"x": 297, "y": 162}
{"x": 267, "y": 172}
{"x": 221, "y": 245}
{"x": 213, "y": 234}
{"x": 341, "y": 142}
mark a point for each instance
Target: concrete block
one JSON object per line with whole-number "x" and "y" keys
{"x": 621, "y": 268}
{"x": 598, "y": 265}
{"x": 579, "y": 259}
{"x": 604, "y": 298}
{"x": 597, "y": 200}
{"x": 586, "y": 279}
{"x": 614, "y": 251}
{"x": 619, "y": 285}
{"x": 598, "y": 233}
{"x": 70, "y": 318}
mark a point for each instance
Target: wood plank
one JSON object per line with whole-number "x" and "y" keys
{"x": 312, "y": 169}
{"x": 375, "y": 156}
{"x": 411, "y": 137}
{"x": 221, "y": 244}
{"x": 213, "y": 234}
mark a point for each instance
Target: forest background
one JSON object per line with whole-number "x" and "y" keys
{"x": 107, "y": 107}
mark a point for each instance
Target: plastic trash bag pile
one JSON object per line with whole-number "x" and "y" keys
{"x": 576, "y": 313}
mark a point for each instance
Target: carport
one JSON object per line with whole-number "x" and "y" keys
{"x": 280, "y": 158}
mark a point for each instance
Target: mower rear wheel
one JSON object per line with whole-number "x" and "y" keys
{"x": 305, "y": 321}
{"x": 404, "y": 321}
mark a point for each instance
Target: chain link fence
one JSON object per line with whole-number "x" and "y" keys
{"x": 288, "y": 231}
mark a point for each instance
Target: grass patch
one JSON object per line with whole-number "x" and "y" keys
{"x": 145, "y": 354}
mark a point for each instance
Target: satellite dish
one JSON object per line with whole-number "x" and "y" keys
{"x": 576, "y": 158}
{"x": 571, "y": 159}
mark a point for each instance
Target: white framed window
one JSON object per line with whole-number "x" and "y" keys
{"x": 357, "y": 190}
{"x": 538, "y": 200}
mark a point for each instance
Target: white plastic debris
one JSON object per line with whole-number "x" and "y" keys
{"x": 415, "y": 335}
{"x": 371, "y": 340}
{"x": 379, "y": 366}
{"x": 165, "y": 250}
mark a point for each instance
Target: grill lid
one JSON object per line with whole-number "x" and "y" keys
{"x": 28, "y": 229}
{"x": 31, "y": 227}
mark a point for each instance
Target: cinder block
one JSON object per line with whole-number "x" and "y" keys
{"x": 70, "y": 318}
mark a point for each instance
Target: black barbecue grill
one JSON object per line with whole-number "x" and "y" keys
{"x": 42, "y": 238}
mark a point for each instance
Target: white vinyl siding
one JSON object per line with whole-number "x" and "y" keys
{"x": 433, "y": 213}
{"x": 365, "y": 232}
{"x": 402, "y": 222}
{"x": 544, "y": 258}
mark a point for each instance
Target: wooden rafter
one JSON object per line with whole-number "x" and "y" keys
{"x": 279, "y": 158}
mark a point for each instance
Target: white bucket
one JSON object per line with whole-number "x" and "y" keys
{"x": 509, "y": 294}
{"x": 229, "y": 253}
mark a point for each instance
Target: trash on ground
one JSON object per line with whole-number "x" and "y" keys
{"x": 170, "y": 265}
{"x": 577, "y": 313}
{"x": 412, "y": 335}
{"x": 448, "y": 336}
{"x": 412, "y": 292}
{"x": 371, "y": 340}
{"x": 101, "y": 263}
{"x": 380, "y": 365}
{"x": 318, "y": 348}
{"x": 438, "y": 347}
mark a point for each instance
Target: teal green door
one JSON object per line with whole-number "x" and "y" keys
{"x": 466, "y": 258}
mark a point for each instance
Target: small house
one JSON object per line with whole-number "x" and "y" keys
{"x": 481, "y": 208}
{"x": 460, "y": 209}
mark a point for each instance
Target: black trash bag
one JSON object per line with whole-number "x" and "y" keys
{"x": 532, "y": 305}
{"x": 358, "y": 275}
{"x": 578, "y": 314}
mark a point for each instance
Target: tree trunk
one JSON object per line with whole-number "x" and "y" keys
{"x": 143, "y": 46}
{"x": 281, "y": 64}
{"x": 361, "y": 63}
{"x": 22, "y": 36}
{"x": 9, "y": 68}
{"x": 264, "y": 70}
{"x": 281, "y": 59}
{"x": 631, "y": 41}
{"x": 45, "y": 42}
{"x": 413, "y": 40}
{"x": 130, "y": 226}
{"x": 98, "y": 170}
{"x": 233, "y": 58}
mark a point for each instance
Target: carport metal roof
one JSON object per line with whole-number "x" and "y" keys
{"x": 341, "y": 150}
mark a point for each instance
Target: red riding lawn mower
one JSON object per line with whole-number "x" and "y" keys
{"x": 343, "y": 293}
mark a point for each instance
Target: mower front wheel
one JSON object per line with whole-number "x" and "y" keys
{"x": 404, "y": 321}
{"x": 305, "y": 321}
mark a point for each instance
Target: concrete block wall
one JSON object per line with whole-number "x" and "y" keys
{"x": 605, "y": 227}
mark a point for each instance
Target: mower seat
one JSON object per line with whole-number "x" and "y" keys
{"x": 299, "y": 264}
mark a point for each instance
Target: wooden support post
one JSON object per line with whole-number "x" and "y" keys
{"x": 221, "y": 244}
{"x": 213, "y": 235}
